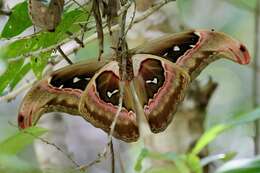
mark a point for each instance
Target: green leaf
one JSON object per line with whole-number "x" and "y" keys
{"x": 209, "y": 136}
{"x": 213, "y": 132}
{"x": 241, "y": 166}
{"x": 20, "y": 74}
{"x": 12, "y": 70}
{"x": 38, "y": 64}
{"x": 14, "y": 73}
{"x": 21, "y": 139}
{"x": 193, "y": 162}
{"x": 45, "y": 39}
{"x": 144, "y": 153}
{"x": 18, "y": 21}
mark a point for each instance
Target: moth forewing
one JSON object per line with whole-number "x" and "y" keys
{"x": 196, "y": 49}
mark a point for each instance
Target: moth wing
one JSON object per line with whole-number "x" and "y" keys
{"x": 99, "y": 104}
{"x": 161, "y": 87}
{"x": 194, "y": 50}
{"x": 58, "y": 92}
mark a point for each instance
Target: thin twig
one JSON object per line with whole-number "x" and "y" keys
{"x": 64, "y": 55}
{"x": 112, "y": 157}
{"x": 13, "y": 94}
{"x": 75, "y": 39}
{"x": 132, "y": 18}
{"x": 255, "y": 76}
{"x": 48, "y": 143}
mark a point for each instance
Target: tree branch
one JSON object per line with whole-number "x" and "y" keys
{"x": 255, "y": 76}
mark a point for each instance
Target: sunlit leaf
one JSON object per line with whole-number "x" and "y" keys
{"x": 45, "y": 39}
{"x": 10, "y": 73}
{"x": 209, "y": 136}
{"x": 18, "y": 21}
{"x": 213, "y": 132}
{"x": 20, "y": 74}
{"x": 21, "y": 139}
{"x": 193, "y": 162}
{"x": 144, "y": 153}
{"x": 38, "y": 64}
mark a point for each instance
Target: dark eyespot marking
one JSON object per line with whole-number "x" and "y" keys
{"x": 152, "y": 73}
{"x": 20, "y": 119}
{"x": 181, "y": 47}
{"x": 107, "y": 84}
{"x": 242, "y": 48}
{"x": 74, "y": 82}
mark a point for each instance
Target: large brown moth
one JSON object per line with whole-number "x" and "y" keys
{"x": 158, "y": 74}
{"x": 46, "y": 14}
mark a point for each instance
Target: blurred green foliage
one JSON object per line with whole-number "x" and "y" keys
{"x": 191, "y": 163}
{"x": 10, "y": 147}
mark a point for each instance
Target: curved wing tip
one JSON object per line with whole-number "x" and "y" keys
{"x": 20, "y": 120}
{"x": 246, "y": 57}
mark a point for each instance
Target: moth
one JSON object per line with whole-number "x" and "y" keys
{"x": 158, "y": 74}
{"x": 46, "y": 14}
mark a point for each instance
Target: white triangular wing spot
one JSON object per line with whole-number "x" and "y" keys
{"x": 110, "y": 94}
{"x": 154, "y": 81}
{"x": 61, "y": 87}
{"x": 176, "y": 48}
{"x": 76, "y": 79}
